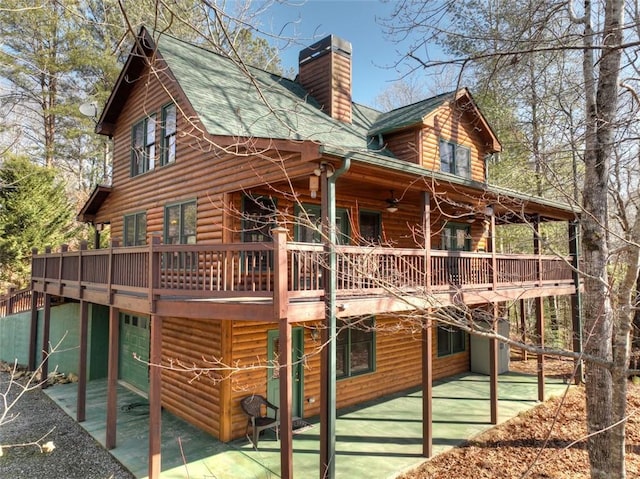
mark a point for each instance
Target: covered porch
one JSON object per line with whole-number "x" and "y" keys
{"x": 383, "y": 437}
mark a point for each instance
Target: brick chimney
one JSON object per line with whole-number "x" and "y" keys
{"x": 325, "y": 72}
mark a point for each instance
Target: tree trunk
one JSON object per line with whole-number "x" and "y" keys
{"x": 605, "y": 444}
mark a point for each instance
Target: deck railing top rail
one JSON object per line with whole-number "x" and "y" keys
{"x": 16, "y": 301}
{"x": 247, "y": 269}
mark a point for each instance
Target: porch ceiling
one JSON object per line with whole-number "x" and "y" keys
{"x": 457, "y": 199}
{"x": 370, "y": 172}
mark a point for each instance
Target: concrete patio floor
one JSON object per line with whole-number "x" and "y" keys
{"x": 382, "y": 438}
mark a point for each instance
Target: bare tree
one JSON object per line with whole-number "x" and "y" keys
{"x": 599, "y": 31}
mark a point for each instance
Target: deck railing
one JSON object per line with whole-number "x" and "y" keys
{"x": 364, "y": 270}
{"x": 16, "y": 301}
{"x": 247, "y": 269}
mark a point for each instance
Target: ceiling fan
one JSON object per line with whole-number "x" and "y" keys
{"x": 392, "y": 203}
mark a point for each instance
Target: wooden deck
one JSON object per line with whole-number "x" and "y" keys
{"x": 238, "y": 281}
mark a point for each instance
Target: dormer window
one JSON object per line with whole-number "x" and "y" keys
{"x": 455, "y": 159}
{"x": 143, "y": 145}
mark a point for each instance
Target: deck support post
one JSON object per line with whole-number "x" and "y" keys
{"x": 33, "y": 329}
{"x": 576, "y": 298}
{"x": 280, "y": 313}
{"x": 523, "y": 327}
{"x": 112, "y": 377}
{"x": 539, "y": 301}
{"x": 540, "y": 334}
{"x": 82, "y": 362}
{"x": 427, "y": 386}
{"x": 493, "y": 364}
{"x": 46, "y": 328}
{"x": 155, "y": 397}
{"x": 426, "y": 231}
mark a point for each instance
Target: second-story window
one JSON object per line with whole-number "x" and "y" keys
{"x": 169, "y": 129}
{"x": 370, "y": 230}
{"x": 258, "y": 219}
{"x": 180, "y": 223}
{"x": 143, "y": 145}
{"x": 455, "y": 159}
{"x": 309, "y": 225}
{"x": 135, "y": 229}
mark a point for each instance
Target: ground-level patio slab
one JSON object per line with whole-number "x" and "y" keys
{"x": 379, "y": 439}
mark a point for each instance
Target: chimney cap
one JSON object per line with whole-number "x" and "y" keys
{"x": 327, "y": 44}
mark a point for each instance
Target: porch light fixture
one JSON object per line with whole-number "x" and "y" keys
{"x": 392, "y": 203}
{"x": 314, "y": 185}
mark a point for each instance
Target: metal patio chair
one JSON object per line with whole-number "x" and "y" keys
{"x": 256, "y": 407}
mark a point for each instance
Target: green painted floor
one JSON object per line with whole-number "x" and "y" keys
{"x": 382, "y": 438}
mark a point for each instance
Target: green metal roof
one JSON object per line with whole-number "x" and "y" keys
{"x": 409, "y": 115}
{"x": 236, "y": 100}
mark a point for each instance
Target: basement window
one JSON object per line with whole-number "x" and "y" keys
{"x": 355, "y": 346}
{"x": 451, "y": 340}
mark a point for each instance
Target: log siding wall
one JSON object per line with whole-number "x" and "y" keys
{"x": 192, "y": 395}
{"x": 405, "y": 145}
{"x": 456, "y": 126}
{"x": 397, "y": 367}
{"x": 423, "y": 145}
{"x": 203, "y": 170}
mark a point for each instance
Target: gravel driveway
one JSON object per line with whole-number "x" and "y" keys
{"x": 76, "y": 453}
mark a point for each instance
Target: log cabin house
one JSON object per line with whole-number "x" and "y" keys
{"x": 254, "y": 218}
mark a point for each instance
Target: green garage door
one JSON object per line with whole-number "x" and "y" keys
{"x": 134, "y": 351}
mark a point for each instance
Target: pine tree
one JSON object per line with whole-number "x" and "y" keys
{"x": 34, "y": 212}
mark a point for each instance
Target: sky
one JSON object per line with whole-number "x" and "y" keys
{"x": 356, "y": 21}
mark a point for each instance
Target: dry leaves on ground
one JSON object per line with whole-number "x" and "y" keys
{"x": 545, "y": 442}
